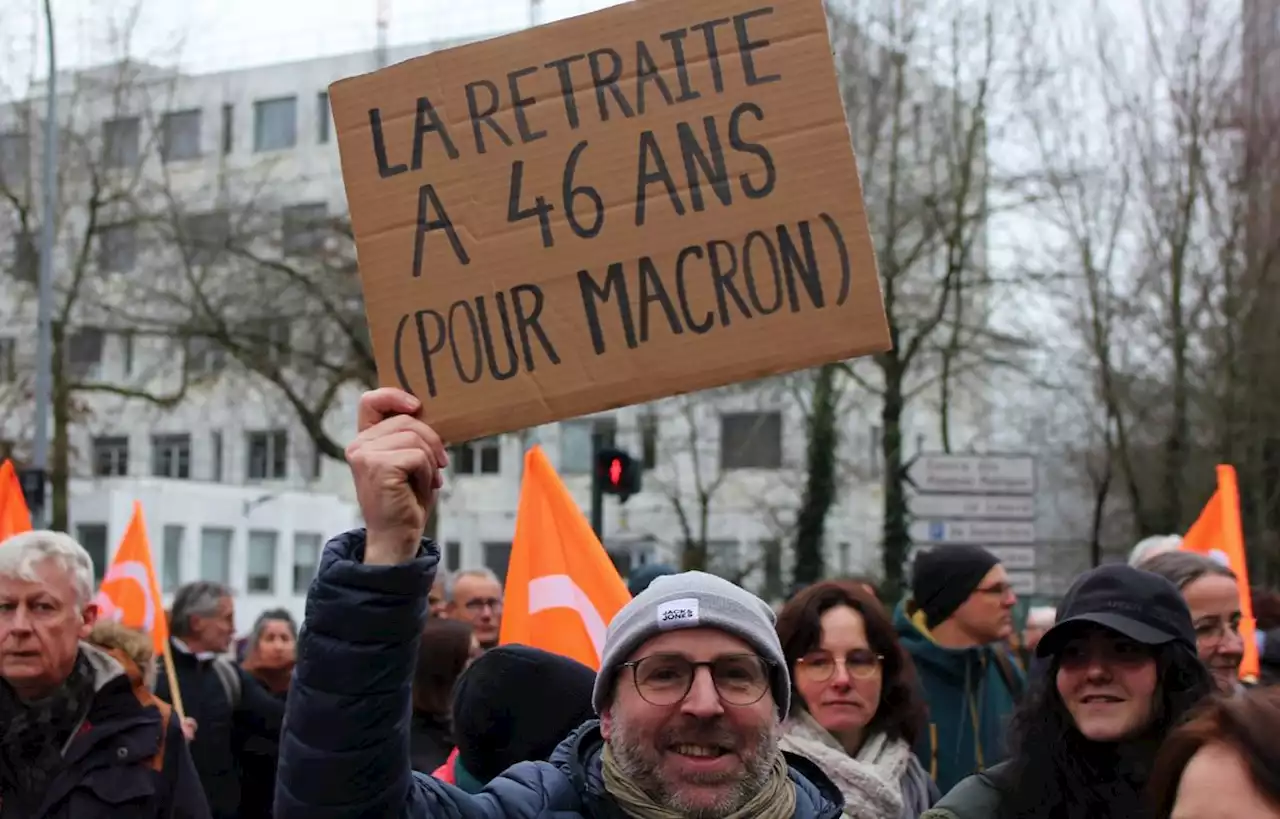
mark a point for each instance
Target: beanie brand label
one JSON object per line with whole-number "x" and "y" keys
{"x": 678, "y": 613}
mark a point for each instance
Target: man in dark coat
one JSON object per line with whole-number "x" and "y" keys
{"x": 690, "y": 693}
{"x": 75, "y": 741}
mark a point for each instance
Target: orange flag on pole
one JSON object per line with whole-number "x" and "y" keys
{"x": 129, "y": 592}
{"x": 1217, "y": 534}
{"x": 562, "y": 590}
{"x": 14, "y": 515}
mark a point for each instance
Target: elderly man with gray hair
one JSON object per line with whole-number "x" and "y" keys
{"x": 228, "y": 707}
{"x": 76, "y": 742}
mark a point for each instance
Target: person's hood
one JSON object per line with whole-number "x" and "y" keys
{"x": 105, "y": 667}
{"x": 918, "y": 640}
{"x": 580, "y": 757}
{"x": 127, "y": 664}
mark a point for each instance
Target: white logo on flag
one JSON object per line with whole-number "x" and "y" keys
{"x": 137, "y": 572}
{"x": 558, "y": 591}
{"x": 678, "y": 613}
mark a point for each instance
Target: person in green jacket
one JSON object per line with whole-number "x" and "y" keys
{"x": 954, "y": 626}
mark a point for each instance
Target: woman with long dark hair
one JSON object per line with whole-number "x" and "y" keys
{"x": 1122, "y": 673}
{"x": 445, "y": 650}
{"x": 855, "y": 708}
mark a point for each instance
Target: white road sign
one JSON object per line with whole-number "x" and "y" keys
{"x": 993, "y": 474}
{"x": 1023, "y": 583}
{"x": 982, "y": 507}
{"x": 981, "y": 532}
{"x": 1014, "y": 558}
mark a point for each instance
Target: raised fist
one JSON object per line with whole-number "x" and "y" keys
{"x": 395, "y": 461}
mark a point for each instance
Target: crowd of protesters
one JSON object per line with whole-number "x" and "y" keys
{"x": 394, "y": 698}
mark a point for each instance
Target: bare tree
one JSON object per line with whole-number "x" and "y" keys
{"x": 919, "y": 84}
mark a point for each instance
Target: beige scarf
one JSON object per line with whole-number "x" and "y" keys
{"x": 870, "y": 781}
{"x": 775, "y": 800}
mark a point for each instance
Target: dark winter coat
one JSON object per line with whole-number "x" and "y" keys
{"x": 223, "y": 726}
{"x": 349, "y": 711}
{"x": 108, "y": 766}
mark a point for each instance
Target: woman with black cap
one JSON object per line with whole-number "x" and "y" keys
{"x": 1122, "y": 672}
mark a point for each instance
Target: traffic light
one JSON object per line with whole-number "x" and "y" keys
{"x": 617, "y": 473}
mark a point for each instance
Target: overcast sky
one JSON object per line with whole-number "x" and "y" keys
{"x": 210, "y": 35}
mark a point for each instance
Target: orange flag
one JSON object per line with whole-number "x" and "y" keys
{"x": 562, "y": 590}
{"x": 130, "y": 593}
{"x": 1217, "y": 534}
{"x": 14, "y": 515}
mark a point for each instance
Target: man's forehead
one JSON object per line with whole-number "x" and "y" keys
{"x": 54, "y": 581}
{"x": 996, "y": 575}
{"x": 697, "y": 644}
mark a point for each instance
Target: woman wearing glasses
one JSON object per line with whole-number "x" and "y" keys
{"x": 1213, "y": 595}
{"x": 855, "y": 710}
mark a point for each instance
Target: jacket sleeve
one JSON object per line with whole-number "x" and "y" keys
{"x": 344, "y": 749}
{"x": 186, "y": 793}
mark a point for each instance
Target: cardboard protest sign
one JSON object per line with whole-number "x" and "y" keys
{"x": 652, "y": 199}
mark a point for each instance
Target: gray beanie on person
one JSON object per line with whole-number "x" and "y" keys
{"x": 693, "y": 600}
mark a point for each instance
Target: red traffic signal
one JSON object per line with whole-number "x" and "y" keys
{"x": 617, "y": 473}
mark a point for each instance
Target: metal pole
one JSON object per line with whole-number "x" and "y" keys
{"x": 597, "y": 491}
{"x": 44, "y": 320}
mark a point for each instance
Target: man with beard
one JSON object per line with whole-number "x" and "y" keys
{"x": 690, "y": 692}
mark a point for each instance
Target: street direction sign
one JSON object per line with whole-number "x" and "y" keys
{"x": 1014, "y": 558}
{"x": 981, "y": 532}
{"x": 1023, "y": 583}
{"x": 986, "y": 474}
{"x": 981, "y": 507}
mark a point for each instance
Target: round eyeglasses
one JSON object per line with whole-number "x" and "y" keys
{"x": 820, "y": 666}
{"x": 666, "y": 679}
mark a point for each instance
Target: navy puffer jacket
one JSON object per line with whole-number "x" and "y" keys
{"x": 344, "y": 751}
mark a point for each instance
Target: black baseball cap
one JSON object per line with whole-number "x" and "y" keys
{"x": 1140, "y": 605}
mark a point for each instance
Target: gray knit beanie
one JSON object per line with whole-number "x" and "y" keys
{"x": 693, "y": 600}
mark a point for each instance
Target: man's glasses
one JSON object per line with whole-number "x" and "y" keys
{"x": 479, "y": 604}
{"x": 1001, "y": 590}
{"x": 820, "y": 666}
{"x": 666, "y": 679}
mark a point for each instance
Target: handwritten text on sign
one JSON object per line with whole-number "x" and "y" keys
{"x": 648, "y": 200}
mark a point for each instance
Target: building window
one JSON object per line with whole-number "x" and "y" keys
{"x": 171, "y": 559}
{"x": 269, "y": 340}
{"x": 8, "y": 360}
{"x": 204, "y": 356}
{"x": 117, "y": 248}
{"x": 275, "y": 124}
{"x": 26, "y": 256}
{"x": 126, "y": 339}
{"x": 496, "y": 558}
{"x": 267, "y": 455}
{"x": 751, "y": 440}
{"x": 171, "y": 456}
{"x": 180, "y": 135}
{"x": 93, "y": 537}
{"x": 84, "y": 350}
{"x": 649, "y": 441}
{"x": 304, "y": 228}
{"x": 215, "y": 555}
{"x": 262, "y": 562}
{"x": 228, "y": 128}
{"x": 482, "y": 457}
{"x": 322, "y": 117}
{"x": 15, "y": 160}
{"x": 110, "y": 456}
{"x": 120, "y": 138}
{"x": 215, "y": 469}
{"x": 206, "y": 235}
{"x": 453, "y": 555}
{"x": 575, "y": 443}
{"x": 306, "y": 557}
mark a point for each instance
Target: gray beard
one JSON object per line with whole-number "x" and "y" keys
{"x": 639, "y": 762}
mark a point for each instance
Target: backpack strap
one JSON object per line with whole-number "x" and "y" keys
{"x": 229, "y": 676}
{"x": 1011, "y": 679}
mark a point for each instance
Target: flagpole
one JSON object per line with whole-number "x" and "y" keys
{"x": 175, "y": 693}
